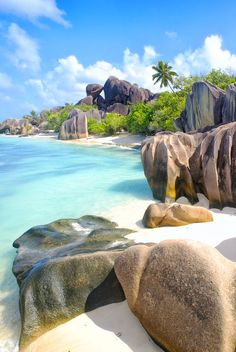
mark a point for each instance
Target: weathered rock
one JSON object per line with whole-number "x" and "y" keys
{"x": 75, "y": 127}
{"x": 157, "y": 215}
{"x": 120, "y": 91}
{"x": 183, "y": 292}
{"x": 86, "y": 101}
{"x": 179, "y": 164}
{"x": 17, "y": 126}
{"x": 101, "y": 103}
{"x": 203, "y": 107}
{"x": 118, "y": 108}
{"x": 165, "y": 160}
{"x": 94, "y": 90}
{"x": 64, "y": 269}
{"x": 229, "y": 107}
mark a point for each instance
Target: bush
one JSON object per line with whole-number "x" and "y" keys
{"x": 139, "y": 118}
{"x": 110, "y": 125}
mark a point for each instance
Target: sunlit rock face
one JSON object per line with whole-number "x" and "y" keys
{"x": 181, "y": 164}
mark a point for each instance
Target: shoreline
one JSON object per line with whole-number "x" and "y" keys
{"x": 221, "y": 233}
{"x": 125, "y": 140}
{"x": 111, "y": 325}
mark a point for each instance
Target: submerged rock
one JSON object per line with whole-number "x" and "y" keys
{"x": 64, "y": 269}
{"x": 183, "y": 292}
{"x": 157, "y": 215}
{"x": 180, "y": 164}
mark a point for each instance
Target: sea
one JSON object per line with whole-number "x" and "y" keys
{"x": 42, "y": 180}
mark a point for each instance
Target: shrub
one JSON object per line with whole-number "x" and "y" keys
{"x": 139, "y": 118}
{"x": 110, "y": 125}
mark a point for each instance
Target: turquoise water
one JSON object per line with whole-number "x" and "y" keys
{"x": 43, "y": 180}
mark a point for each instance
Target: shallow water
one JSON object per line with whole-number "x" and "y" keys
{"x": 44, "y": 180}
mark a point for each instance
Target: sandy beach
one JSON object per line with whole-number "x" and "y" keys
{"x": 114, "y": 327}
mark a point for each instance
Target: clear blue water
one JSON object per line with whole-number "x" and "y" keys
{"x": 43, "y": 180}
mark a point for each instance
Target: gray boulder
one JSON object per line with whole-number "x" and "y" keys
{"x": 120, "y": 91}
{"x": 101, "y": 103}
{"x": 229, "y": 107}
{"x": 203, "y": 107}
{"x": 64, "y": 269}
{"x": 86, "y": 101}
{"x": 75, "y": 127}
{"x": 118, "y": 108}
{"x": 94, "y": 90}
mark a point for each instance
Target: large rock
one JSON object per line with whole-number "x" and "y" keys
{"x": 120, "y": 91}
{"x": 229, "y": 107}
{"x": 64, "y": 269}
{"x": 76, "y": 126}
{"x": 94, "y": 90}
{"x": 118, "y": 108}
{"x": 86, "y": 101}
{"x": 179, "y": 164}
{"x": 157, "y": 215}
{"x": 183, "y": 293}
{"x": 15, "y": 126}
{"x": 203, "y": 107}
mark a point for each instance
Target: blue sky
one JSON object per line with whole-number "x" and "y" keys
{"x": 50, "y": 50}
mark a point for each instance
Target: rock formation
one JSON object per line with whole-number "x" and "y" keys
{"x": 183, "y": 292}
{"x": 118, "y": 108}
{"x": 207, "y": 105}
{"x": 64, "y": 269}
{"x": 94, "y": 90}
{"x": 229, "y": 107}
{"x": 181, "y": 164}
{"x": 157, "y": 215}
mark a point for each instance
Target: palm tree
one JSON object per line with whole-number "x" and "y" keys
{"x": 163, "y": 74}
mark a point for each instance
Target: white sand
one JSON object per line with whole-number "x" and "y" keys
{"x": 112, "y": 328}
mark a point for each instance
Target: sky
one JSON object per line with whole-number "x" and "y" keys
{"x": 51, "y": 49}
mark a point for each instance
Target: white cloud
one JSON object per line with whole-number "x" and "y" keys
{"x": 171, "y": 35}
{"x": 25, "y": 55}
{"x": 68, "y": 80}
{"x": 5, "y": 81}
{"x": 34, "y": 9}
{"x": 204, "y": 59}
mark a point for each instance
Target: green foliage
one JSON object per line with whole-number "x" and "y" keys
{"x": 164, "y": 74}
{"x": 220, "y": 78}
{"x": 56, "y": 119}
{"x": 112, "y": 124}
{"x": 167, "y": 108}
{"x": 139, "y": 118}
{"x": 85, "y": 107}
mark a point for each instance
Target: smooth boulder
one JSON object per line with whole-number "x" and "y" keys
{"x": 118, "y": 108}
{"x": 65, "y": 268}
{"x": 94, "y": 90}
{"x": 157, "y": 215}
{"x": 203, "y": 107}
{"x": 184, "y": 294}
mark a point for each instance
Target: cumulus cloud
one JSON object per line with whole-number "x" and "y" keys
{"x": 210, "y": 56}
{"x": 68, "y": 80}
{"x": 25, "y": 54}
{"x": 34, "y": 9}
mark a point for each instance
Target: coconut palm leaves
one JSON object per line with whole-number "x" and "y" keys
{"x": 164, "y": 74}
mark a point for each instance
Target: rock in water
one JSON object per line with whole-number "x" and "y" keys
{"x": 184, "y": 294}
{"x": 180, "y": 164}
{"x": 174, "y": 214}
{"x": 64, "y": 269}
